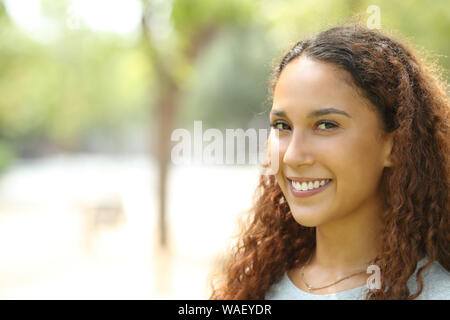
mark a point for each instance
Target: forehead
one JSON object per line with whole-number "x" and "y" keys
{"x": 311, "y": 84}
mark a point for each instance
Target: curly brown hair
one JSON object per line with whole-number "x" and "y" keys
{"x": 413, "y": 104}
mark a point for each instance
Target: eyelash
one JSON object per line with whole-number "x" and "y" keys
{"x": 277, "y": 122}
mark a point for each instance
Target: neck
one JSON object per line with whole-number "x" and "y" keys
{"x": 348, "y": 243}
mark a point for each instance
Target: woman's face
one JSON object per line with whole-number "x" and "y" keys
{"x": 326, "y": 131}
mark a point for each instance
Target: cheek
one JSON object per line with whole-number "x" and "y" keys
{"x": 277, "y": 146}
{"x": 356, "y": 164}
{"x": 282, "y": 144}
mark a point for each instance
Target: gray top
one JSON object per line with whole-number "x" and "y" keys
{"x": 436, "y": 280}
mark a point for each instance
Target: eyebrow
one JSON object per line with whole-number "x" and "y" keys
{"x": 315, "y": 113}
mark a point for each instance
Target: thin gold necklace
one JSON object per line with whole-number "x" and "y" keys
{"x": 328, "y": 285}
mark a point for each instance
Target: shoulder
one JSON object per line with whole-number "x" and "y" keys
{"x": 436, "y": 282}
{"x": 281, "y": 290}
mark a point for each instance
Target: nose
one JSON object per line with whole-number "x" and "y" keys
{"x": 299, "y": 151}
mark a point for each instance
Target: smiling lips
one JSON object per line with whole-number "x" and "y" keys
{"x": 302, "y": 188}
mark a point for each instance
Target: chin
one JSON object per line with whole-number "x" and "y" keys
{"x": 307, "y": 219}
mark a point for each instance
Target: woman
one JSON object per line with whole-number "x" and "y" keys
{"x": 362, "y": 128}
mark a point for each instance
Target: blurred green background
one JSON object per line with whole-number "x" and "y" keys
{"x": 71, "y": 83}
{"x": 90, "y": 92}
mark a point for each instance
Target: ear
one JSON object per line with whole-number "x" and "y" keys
{"x": 388, "y": 143}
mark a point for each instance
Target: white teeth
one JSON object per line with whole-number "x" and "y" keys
{"x": 297, "y": 185}
{"x": 308, "y": 185}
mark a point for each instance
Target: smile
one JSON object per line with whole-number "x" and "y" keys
{"x": 305, "y": 189}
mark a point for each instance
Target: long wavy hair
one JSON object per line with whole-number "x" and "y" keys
{"x": 412, "y": 101}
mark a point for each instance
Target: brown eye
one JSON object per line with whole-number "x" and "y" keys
{"x": 326, "y": 125}
{"x": 280, "y": 125}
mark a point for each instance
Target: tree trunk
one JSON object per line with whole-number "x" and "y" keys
{"x": 165, "y": 123}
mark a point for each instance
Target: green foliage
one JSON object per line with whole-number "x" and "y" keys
{"x": 188, "y": 16}
{"x": 7, "y": 156}
{"x": 231, "y": 83}
{"x": 63, "y": 90}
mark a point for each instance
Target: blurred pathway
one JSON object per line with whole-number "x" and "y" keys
{"x": 83, "y": 227}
